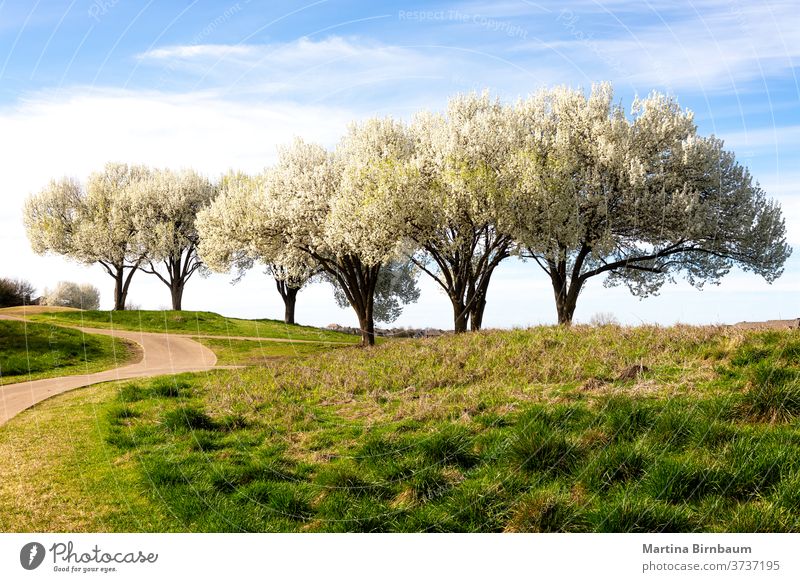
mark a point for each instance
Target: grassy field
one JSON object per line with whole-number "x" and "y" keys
{"x": 192, "y": 323}
{"x": 583, "y": 429}
{"x": 253, "y": 353}
{"x": 31, "y": 351}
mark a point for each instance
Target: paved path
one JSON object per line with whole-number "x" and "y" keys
{"x": 161, "y": 354}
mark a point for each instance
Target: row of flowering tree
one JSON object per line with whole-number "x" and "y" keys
{"x": 566, "y": 180}
{"x": 126, "y": 219}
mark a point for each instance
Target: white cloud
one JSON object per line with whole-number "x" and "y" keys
{"x": 703, "y": 46}
{"x": 302, "y": 67}
{"x": 300, "y": 52}
{"x": 356, "y": 71}
{"x": 214, "y": 51}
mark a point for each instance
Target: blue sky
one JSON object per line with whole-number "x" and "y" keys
{"x": 217, "y": 85}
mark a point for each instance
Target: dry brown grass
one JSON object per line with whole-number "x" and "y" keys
{"x": 25, "y": 310}
{"x": 459, "y": 376}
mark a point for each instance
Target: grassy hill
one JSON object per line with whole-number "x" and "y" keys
{"x": 191, "y": 323}
{"x": 30, "y": 351}
{"x": 549, "y": 429}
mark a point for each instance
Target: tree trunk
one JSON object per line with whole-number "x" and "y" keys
{"x": 460, "y": 316}
{"x": 357, "y": 281}
{"x": 476, "y": 314}
{"x": 121, "y": 282}
{"x": 120, "y": 292}
{"x": 367, "y": 320}
{"x": 176, "y": 290}
{"x": 289, "y": 302}
{"x": 362, "y": 290}
{"x": 366, "y": 324}
{"x": 566, "y": 301}
{"x": 289, "y": 296}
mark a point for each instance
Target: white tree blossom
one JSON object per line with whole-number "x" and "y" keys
{"x": 451, "y": 214}
{"x": 69, "y": 294}
{"x": 642, "y": 198}
{"x": 327, "y": 205}
{"x": 167, "y": 204}
{"x": 316, "y": 208}
{"x": 235, "y": 235}
{"x": 92, "y": 225}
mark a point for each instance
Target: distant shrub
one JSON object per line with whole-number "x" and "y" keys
{"x": 14, "y": 292}
{"x": 603, "y": 318}
{"x": 69, "y": 294}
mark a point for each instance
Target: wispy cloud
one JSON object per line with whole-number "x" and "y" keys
{"x": 198, "y": 51}
{"x": 352, "y": 70}
{"x": 703, "y": 46}
{"x": 297, "y": 56}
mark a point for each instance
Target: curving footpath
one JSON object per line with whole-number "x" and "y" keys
{"x": 161, "y": 354}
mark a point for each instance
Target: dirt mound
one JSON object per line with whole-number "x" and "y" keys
{"x": 633, "y": 372}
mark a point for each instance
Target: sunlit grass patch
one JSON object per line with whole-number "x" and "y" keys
{"x": 192, "y": 322}
{"x": 550, "y": 510}
{"x": 31, "y": 351}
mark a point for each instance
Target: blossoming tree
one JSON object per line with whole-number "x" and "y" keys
{"x": 165, "y": 210}
{"x": 452, "y": 214}
{"x": 91, "y": 225}
{"x": 642, "y": 199}
{"x": 235, "y": 234}
{"x": 317, "y": 208}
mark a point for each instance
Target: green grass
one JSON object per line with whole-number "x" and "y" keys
{"x": 497, "y": 431}
{"x": 192, "y": 323}
{"x": 31, "y": 351}
{"x": 59, "y": 474}
{"x": 251, "y": 352}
